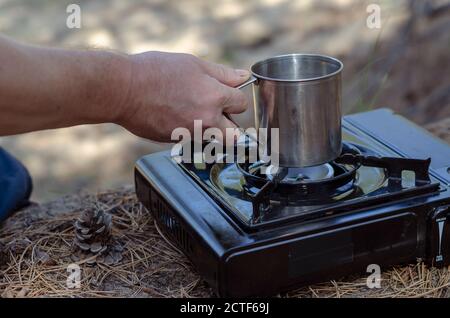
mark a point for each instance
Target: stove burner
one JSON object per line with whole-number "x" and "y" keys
{"x": 297, "y": 184}
{"x": 293, "y": 175}
{"x": 320, "y": 184}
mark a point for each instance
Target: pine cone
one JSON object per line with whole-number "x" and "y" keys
{"x": 4, "y": 255}
{"x": 93, "y": 238}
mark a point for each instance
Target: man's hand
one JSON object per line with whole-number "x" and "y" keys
{"x": 149, "y": 94}
{"x": 170, "y": 90}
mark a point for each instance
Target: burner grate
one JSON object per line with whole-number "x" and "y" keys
{"x": 262, "y": 190}
{"x": 278, "y": 187}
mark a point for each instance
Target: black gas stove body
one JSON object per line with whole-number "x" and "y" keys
{"x": 387, "y": 217}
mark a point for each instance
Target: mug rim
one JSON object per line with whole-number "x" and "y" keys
{"x": 310, "y": 79}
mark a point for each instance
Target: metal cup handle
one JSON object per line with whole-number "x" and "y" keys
{"x": 251, "y": 80}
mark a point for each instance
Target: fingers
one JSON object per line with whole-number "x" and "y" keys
{"x": 226, "y": 75}
{"x": 234, "y": 100}
{"x": 225, "y": 123}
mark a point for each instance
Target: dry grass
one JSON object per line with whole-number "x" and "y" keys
{"x": 39, "y": 241}
{"x": 412, "y": 281}
{"x": 150, "y": 268}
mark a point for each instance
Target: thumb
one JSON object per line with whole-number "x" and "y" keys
{"x": 226, "y": 75}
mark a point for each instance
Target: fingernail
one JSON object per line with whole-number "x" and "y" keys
{"x": 243, "y": 73}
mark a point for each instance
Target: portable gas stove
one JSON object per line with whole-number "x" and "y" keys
{"x": 385, "y": 200}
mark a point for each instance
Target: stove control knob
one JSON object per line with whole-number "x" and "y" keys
{"x": 439, "y": 238}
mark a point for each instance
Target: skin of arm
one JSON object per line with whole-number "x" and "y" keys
{"x": 150, "y": 94}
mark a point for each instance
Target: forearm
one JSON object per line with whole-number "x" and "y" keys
{"x": 44, "y": 88}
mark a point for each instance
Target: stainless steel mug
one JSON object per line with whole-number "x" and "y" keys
{"x": 300, "y": 94}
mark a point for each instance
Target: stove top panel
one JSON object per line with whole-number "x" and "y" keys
{"x": 227, "y": 185}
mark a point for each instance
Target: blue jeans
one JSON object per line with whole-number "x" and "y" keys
{"x": 15, "y": 185}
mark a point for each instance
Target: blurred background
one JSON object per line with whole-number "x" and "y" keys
{"x": 403, "y": 65}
